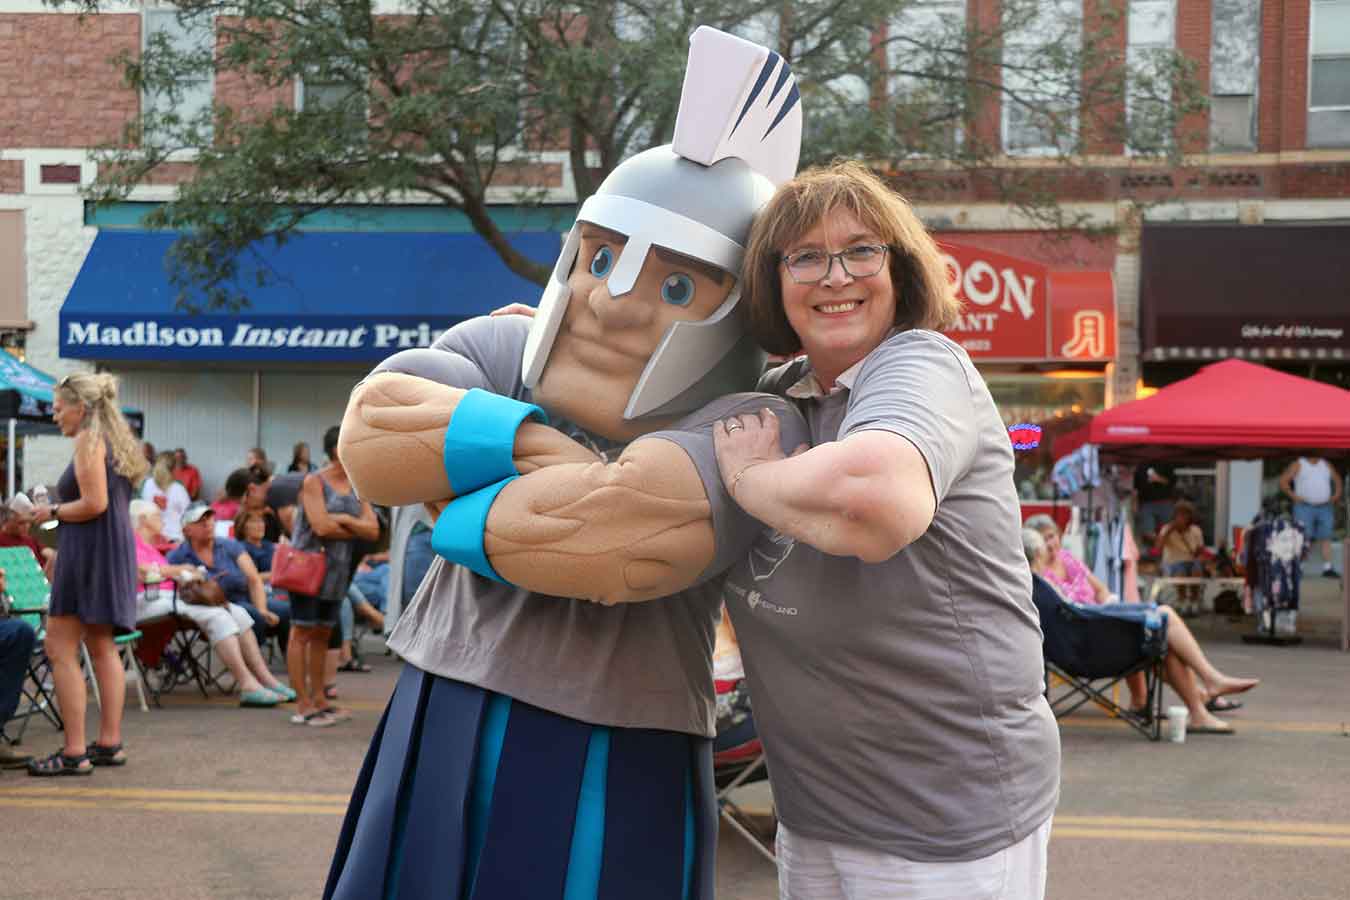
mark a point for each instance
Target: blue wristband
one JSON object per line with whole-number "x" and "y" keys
{"x": 481, "y": 439}
{"x": 458, "y": 535}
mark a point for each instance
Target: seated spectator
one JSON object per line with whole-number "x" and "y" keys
{"x": 1181, "y": 542}
{"x": 229, "y": 628}
{"x": 1202, "y": 687}
{"x": 250, "y": 529}
{"x": 228, "y": 563}
{"x": 186, "y": 474}
{"x": 17, "y": 639}
{"x": 300, "y": 459}
{"x": 255, "y": 500}
{"x": 372, "y": 579}
{"x": 257, "y": 459}
{"x": 1069, "y": 576}
{"x": 231, "y": 497}
{"x": 166, "y": 493}
{"x": 16, "y": 530}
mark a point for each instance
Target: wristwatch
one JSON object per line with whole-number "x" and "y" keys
{"x": 52, "y": 512}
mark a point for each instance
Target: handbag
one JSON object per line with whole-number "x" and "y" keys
{"x": 299, "y": 571}
{"x": 203, "y": 593}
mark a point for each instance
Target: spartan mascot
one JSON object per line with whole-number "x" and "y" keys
{"x": 548, "y": 737}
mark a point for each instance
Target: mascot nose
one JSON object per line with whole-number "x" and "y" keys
{"x": 628, "y": 311}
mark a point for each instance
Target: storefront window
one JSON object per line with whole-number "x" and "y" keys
{"x": 1055, "y": 402}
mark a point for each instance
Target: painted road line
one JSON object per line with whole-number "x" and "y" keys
{"x": 177, "y": 794}
{"x": 92, "y": 804}
{"x": 1239, "y": 725}
{"x": 1197, "y": 837}
{"x": 1240, "y": 825}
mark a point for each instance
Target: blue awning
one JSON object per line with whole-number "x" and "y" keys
{"x": 330, "y": 297}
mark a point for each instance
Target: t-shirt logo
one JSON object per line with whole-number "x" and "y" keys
{"x": 769, "y": 552}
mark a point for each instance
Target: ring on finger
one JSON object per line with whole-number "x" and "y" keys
{"x": 734, "y": 425}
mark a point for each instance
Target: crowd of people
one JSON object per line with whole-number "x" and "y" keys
{"x": 139, "y": 543}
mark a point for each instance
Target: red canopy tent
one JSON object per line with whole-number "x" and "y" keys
{"x": 1229, "y": 410}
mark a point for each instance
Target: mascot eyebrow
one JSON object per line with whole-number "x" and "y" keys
{"x": 672, "y": 258}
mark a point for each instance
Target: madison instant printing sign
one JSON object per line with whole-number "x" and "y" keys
{"x": 1017, "y": 309}
{"x": 324, "y": 297}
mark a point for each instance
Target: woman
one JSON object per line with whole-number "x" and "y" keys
{"x": 231, "y": 498}
{"x": 300, "y": 459}
{"x": 890, "y": 641}
{"x": 330, "y": 519}
{"x": 94, "y": 583}
{"x": 250, "y": 529}
{"x": 228, "y": 628}
{"x": 166, "y": 493}
{"x": 1069, "y": 576}
{"x": 1199, "y": 684}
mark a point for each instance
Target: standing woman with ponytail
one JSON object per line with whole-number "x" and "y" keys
{"x": 94, "y": 584}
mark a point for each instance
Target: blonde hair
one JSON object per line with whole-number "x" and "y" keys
{"x": 162, "y": 473}
{"x": 924, "y": 295}
{"x": 103, "y": 418}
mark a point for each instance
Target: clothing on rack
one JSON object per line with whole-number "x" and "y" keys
{"x": 1273, "y": 551}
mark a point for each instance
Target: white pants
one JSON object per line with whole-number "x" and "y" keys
{"x": 218, "y": 622}
{"x": 809, "y": 869}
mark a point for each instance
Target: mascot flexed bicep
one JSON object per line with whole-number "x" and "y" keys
{"x": 550, "y": 735}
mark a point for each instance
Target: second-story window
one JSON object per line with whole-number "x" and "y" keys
{"x": 1151, "y": 34}
{"x": 173, "y": 106}
{"x": 926, "y": 55}
{"x": 1234, "y": 65}
{"x": 1042, "y": 84}
{"x": 1329, "y": 74}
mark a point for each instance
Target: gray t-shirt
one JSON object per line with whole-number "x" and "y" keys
{"x": 638, "y": 665}
{"x": 900, "y": 703}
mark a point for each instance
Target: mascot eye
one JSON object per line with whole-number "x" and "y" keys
{"x": 678, "y": 289}
{"x": 602, "y": 262}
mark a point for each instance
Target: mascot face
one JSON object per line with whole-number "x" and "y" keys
{"x": 605, "y": 342}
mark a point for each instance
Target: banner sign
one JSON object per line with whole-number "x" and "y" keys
{"x": 1019, "y": 310}
{"x": 244, "y": 337}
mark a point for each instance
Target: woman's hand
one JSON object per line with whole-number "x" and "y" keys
{"x": 745, "y": 441}
{"x": 43, "y": 513}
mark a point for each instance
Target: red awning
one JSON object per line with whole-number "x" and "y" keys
{"x": 1228, "y": 410}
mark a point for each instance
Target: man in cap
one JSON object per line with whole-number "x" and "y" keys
{"x": 572, "y": 458}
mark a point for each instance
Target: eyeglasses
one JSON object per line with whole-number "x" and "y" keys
{"x": 859, "y": 261}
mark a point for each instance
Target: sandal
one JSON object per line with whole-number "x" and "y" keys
{"x": 320, "y": 719}
{"x": 330, "y": 691}
{"x": 354, "y": 665}
{"x": 61, "y": 764}
{"x": 336, "y": 713}
{"x": 106, "y": 755}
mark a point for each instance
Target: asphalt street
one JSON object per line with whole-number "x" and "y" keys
{"x": 223, "y": 802}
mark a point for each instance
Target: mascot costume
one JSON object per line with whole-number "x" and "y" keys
{"x": 538, "y": 746}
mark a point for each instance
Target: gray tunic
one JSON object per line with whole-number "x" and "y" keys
{"x": 95, "y": 577}
{"x": 901, "y": 703}
{"x": 639, "y": 665}
{"x": 337, "y": 551}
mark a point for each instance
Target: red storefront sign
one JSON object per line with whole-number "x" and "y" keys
{"x": 1021, "y": 310}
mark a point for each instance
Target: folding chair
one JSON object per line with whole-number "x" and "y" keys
{"x": 28, "y": 594}
{"x": 1090, "y": 650}
{"x": 738, "y": 760}
{"x": 173, "y": 652}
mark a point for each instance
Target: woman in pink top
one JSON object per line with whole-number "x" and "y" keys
{"x": 228, "y": 628}
{"x": 1069, "y": 576}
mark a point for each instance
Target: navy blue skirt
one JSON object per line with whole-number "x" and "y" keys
{"x": 470, "y": 795}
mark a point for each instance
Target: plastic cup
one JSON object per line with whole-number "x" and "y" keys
{"x": 1177, "y": 718}
{"x": 21, "y": 504}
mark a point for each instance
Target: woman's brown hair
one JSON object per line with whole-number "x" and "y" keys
{"x": 924, "y": 295}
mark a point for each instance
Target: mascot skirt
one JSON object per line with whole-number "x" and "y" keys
{"x": 469, "y": 795}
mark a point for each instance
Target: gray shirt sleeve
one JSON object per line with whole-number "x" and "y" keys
{"x": 735, "y": 530}
{"x": 484, "y": 352}
{"x": 917, "y": 386}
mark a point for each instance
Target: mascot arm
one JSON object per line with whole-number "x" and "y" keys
{"x": 394, "y": 434}
{"x": 635, "y": 529}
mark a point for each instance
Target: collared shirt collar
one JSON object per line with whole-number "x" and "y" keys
{"x": 808, "y": 386}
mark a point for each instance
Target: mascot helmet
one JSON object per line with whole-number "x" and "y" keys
{"x": 737, "y": 136}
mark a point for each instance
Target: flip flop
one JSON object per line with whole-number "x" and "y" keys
{"x": 1206, "y": 729}
{"x": 353, "y": 665}
{"x": 1223, "y": 704}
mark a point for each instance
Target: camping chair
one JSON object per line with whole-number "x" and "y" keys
{"x": 175, "y": 652}
{"x": 1091, "y": 650}
{"x": 30, "y": 590}
{"x": 36, "y": 697}
{"x": 738, "y": 760}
